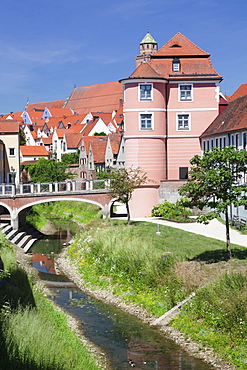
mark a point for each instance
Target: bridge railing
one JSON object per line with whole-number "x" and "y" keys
{"x": 53, "y": 187}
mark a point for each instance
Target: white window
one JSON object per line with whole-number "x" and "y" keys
{"x": 183, "y": 122}
{"x": 146, "y": 121}
{"x": 12, "y": 152}
{"x": 145, "y": 92}
{"x": 185, "y": 92}
{"x": 176, "y": 66}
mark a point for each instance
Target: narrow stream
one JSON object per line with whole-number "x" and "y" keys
{"x": 126, "y": 340}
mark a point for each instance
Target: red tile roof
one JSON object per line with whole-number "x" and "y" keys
{"x": 115, "y": 140}
{"x": 194, "y": 62}
{"x": 49, "y": 104}
{"x": 233, "y": 118}
{"x": 60, "y": 132}
{"x": 145, "y": 70}
{"x": 9, "y": 126}
{"x": 73, "y": 140}
{"x": 103, "y": 97}
{"x": 98, "y": 148}
{"x": 60, "y": 112}
{"x": 27, "y": 150}
{"x": 88, "y": 139}
{"x": 179, "y": 46}
{"x": 242, "y": 90}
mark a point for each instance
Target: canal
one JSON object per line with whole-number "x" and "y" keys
{"x": 126, "y": 340}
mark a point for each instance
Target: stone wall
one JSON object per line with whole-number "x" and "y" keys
{"x": 169, "y": 190}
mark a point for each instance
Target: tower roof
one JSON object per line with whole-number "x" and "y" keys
{"x": 148, "y": 39}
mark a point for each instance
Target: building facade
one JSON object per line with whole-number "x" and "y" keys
{"x": 169, "y": 100}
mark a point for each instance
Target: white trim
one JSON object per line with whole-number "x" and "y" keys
{"x": 152, "y": 121}
{"x": 191, "y": 92}
{"x": 189, "y": 121}
{"x": 145, "y": 137}
{"x": 192, "y": 110}
{"x": 183, "y": 136}
{"x": 139, "y": 91}
{"x": 191, "y": 80}
{"x": 137, "y": 80}
{"x": 144, "y": 109}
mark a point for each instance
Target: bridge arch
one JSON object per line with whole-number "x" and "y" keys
{"x": 18, "y": 215}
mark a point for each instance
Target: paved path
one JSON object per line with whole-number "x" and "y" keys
{"x": 214, "y": 229}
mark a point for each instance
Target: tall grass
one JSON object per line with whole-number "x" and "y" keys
{"x": 33, "y": 335}
{"x": 217, "y": 318}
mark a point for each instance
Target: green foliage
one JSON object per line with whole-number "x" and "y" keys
{"x": 215, "y": 181}
{"x": 22, "y": 137}
{"x": 216, "y": 317}
{"x": 33, "y": 334}
{"x": 123, "y": 183}
{"x": 71, "y": 158}
{"x": 172, "y": 211}
{"x": 46, "y": 170}
{"x": 102, "y": 133}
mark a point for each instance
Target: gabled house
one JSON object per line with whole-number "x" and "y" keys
{"x": 92, "y": 156}
{"x": 169, "y": 100}
{"x": 57, "y": 143}
{"x": 111, "y": 152}
{"x": 71, "y": 142}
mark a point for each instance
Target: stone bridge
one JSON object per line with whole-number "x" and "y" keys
{"x": 16, "y": 200}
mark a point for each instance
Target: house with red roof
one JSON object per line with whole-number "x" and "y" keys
{"x": 32, "y": 153}
{"x": 169, "y": 100}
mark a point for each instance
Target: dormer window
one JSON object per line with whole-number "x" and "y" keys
{"x": 176, "y": 65}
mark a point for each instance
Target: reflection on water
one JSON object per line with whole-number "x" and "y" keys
{"x": 125, "y": 339}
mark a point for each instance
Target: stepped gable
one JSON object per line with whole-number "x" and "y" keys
{"x": 233, "y": 118}
{"x": 145, "y": 70}
{"x": 242, "y": 90}
{"x": 103, "y": 97}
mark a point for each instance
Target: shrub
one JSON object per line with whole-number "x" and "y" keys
{"x": 172, "y": 211}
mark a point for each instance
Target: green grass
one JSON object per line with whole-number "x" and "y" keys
{"x": 141, "y": 267}
{"x": 66, "y": 210}
{"x": 33, "y": 334}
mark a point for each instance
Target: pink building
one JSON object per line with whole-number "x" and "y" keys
{"x": 169, "y": 100}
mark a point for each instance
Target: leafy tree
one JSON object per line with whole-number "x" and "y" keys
{"x": 22, "y": 137}
{"x": 71, "y": 158}
{"x": 46, "y": 170}
{"x": 123, "y": 182}
{"x": 216, "y": 181}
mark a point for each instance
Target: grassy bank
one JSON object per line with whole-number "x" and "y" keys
{"x": 33, "y": 335}
{"x": 66, "y": 210}
{"x": 157, "y": 271}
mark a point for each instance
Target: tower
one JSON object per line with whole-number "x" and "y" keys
{"x": 148, "y": 46}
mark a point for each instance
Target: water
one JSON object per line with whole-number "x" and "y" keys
{"x": 126, "y": 340}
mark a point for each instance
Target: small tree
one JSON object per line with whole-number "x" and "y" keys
{"x": 123, "y": 183}
{"x": 71, "y": 158}
{"x": 216, "y": 181}
{"x": 46, "y": 170}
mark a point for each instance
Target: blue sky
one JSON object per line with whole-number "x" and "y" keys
{"x": 47, "y": 47}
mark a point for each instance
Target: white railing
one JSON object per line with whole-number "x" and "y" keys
{"x": 53, "y": 187}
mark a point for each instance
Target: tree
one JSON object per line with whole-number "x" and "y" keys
{"x": 123, "y": 182}
{"x": 22, "y": 137}
{"x": 216, "y": 181}
{"x": 71, "y": 158}
{"x": 46, "y": 170}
